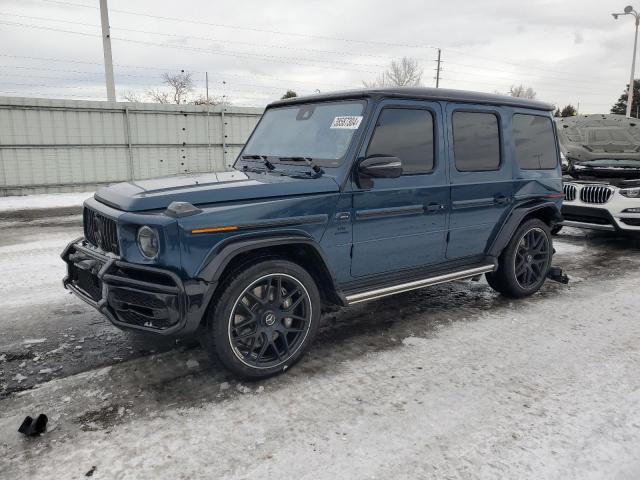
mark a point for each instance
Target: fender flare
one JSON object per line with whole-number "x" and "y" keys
{"x": 224, "y": 253}
{"x": 517, "y": 214}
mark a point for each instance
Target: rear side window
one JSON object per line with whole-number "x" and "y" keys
{"x": 535, "y": 142}
{"x": 476, "y": 141}
{"x": 406, "y": 134}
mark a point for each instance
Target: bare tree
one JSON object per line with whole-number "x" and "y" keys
{"x": 401, "y": 73}
{"x": 522, "y": 92}
{"x": 158, "y": 96}
{"x": 131, "y": 96}
{"x": 181, "y": 85}
{"x": 213, "y": 101}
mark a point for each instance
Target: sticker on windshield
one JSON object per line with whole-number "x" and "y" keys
{"x": 349, "y": 122}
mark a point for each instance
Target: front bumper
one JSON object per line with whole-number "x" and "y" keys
{"x": 607, "y": 217}
{"x": 135, "y": 296}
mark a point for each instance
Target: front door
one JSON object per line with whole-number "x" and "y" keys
{"x": 401, "y": 223}
{"x": 481, "y": 178}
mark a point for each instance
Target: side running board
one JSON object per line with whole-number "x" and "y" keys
{"x": 416, "y": 284}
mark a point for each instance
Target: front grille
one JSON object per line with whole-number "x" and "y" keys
{"x": 570, "y": 192}
{"x": 101, "y": 231}
{"x": 595, "y": 194}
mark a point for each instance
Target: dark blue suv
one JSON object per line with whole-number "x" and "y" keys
{"x": 335, "y": 199}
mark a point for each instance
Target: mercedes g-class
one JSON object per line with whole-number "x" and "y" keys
{"x": 334, "y": 200}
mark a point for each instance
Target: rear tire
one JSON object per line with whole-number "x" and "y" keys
{"x": 525, "y": 262}
{"x": 264, "y": 319}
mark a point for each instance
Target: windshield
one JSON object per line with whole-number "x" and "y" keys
{"x": 321, "y": 132}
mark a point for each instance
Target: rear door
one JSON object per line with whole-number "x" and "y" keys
{"x": 481, "y": 177}
{"x": 400, "y": 223}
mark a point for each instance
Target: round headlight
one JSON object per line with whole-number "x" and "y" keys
{"x": 148, "y": 242}
{"x": 633, "y": 192}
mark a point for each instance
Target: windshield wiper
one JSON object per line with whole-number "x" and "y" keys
{"x": 307, "y": 160}
{"x": 264, "y": 158}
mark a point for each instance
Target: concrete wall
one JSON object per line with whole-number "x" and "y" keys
{"x": 68, "y": 145}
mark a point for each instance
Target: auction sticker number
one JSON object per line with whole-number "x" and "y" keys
{"x": 349, "y": 122}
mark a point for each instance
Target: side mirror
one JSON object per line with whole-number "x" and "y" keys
{"x": 380, "y": 167}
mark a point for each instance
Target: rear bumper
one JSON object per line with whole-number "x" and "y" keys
{"x": 133, "y": 296}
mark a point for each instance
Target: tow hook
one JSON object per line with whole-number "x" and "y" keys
{"x": 557, "y": 275}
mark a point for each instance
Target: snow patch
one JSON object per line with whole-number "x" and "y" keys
{"x": 566, "y": 248}
{"x": 191, "y": 363}
{"x": 414, "y": 341}
{"x": 51, "y": 200}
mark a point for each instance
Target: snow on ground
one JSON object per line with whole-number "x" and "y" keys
{"x": 544, "y": 388}
{"x": 36, "y": 202}
{"x": 32, "y": 270}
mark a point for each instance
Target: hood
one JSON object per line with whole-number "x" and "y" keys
{"x": 599, "y": 137}
{"x": 207, "y": 188}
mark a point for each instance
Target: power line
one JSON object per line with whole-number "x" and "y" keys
{"x": 50, "y": 86}
{"x": 159, "y": 69}
{"x": 252, "y": 29}
{"x": 210, "y": 39}
{"x": 493, "y": 69}
{"x": 48, "y": 95}
{"x": 235, "y": 54}
{"x": 506, "y": 62}
{"x": 199, "y": 22}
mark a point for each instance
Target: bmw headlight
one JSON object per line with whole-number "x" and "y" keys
{"x": 633, "y": 192}
{"x": 148, "y": 242}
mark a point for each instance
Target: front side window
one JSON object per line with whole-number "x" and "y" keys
{"x": 321, "y": 132}
{"x": 476, "y": 141}
{"x": 534, "y": 141}
{"x": 406, "y": 134}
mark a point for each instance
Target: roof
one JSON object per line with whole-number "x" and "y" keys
{"x": 421, "y": 93}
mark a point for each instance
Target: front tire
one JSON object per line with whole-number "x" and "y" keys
{"x": 264, "y": 319}
{"x": 525, "y": 262}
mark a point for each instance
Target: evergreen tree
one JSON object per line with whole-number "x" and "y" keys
{"x": 620, "y": 108}
{"x": 568, "y": 111}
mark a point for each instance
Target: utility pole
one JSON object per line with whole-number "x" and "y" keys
{"x": 633, "y": 67}
{"x": 438, "y": 70}
{"x": 106, "y": 49}
{"x": 629, "y": 10}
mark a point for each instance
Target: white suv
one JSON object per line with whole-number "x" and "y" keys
{"x": 602, "y": 206}
{"x": 601, "y": 155}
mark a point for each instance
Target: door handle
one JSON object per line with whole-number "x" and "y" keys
{"x": 501, "y": 199}
{"x": 434, "y": 207}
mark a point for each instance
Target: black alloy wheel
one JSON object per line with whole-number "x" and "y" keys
{"x": 524, "y": 263}
{"x": 264, "y": 318}
{"x": 270, "y": 320}
{"x": 532, "y": 258}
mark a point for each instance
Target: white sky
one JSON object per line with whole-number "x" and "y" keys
{"x": 569, "y": 51}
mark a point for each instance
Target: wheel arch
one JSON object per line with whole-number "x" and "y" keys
{"x": 546, "y": 211}
{"x": 300, "y": 249}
